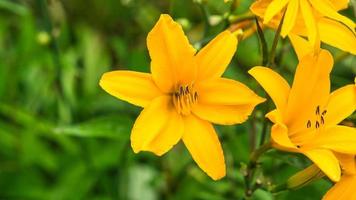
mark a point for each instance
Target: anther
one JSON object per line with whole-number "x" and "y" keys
{"x": 309, "y": 124}
{"x": 322, "y": 120}
{"x": 317, "y": 110}
{"x": 324, "y": 112}
{"x": 181, "y": 90}
{"x": 184, "y": 98}
{"x": 187, "y": 90}
{"x": 317, "y": 125}
{"x": 298, "y": 146}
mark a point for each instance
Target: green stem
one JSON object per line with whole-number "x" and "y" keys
{"x": 256, "y": 154}
{"x": 272, "y": 55}
{"x": 265, "y": 122}
{"x": 251, "y": 167}
{"x": 206, "y": 14}
{"x": 43, "y": 5}
{"x": 278, "y": 188}
{"x": 263, "y": 43}
{"x": 54, "y": 45}
{"x": 233, "y": 19}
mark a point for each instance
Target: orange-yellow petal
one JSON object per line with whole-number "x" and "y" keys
{"x": 203, "y": 144}
{"x": 171, "y": 54}
{"x": 275, "y": 85}
{"x": 311, "y": 87}
{"x": 225, "y": 115}
{"x": 259, "y": 7}
{"x": 342, "y": 190}
{"x": 301, "y": 46}
{"x": 224, "y": 91}
{"x": 134, "y": 87}
{"x": 213, "y": 59}
{"x": 340, "y": 139}
{"x": 336, "y": 34}
{"x": 340, "y": 4}
{"x": 326, "y": 8}
{"x": 275, "y": 116}
{"x": 157, "y": 128}
{"x": 309, "y": 20}
{"x": 347, "y": 162}
{"x": 326, "y": 161}
{"x": 290, "y": 17}
{"x": 280, "y": 138}
{"x": 341, "y": 104}
{"x": 273, "y": 9}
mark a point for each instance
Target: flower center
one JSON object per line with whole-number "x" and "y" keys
{"x": 319, "y": 119}
{"x": 184, "y": 98}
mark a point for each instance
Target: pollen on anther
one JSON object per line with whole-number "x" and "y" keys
{"x": 187, "y": 90}
{"x": 309, "y": 124}
{"x": 317, "y": 125}
{"x": 317, "y": 110}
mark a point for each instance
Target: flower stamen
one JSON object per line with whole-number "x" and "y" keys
{"x": 184, "y": 98}
{"x": 320, "y": 119}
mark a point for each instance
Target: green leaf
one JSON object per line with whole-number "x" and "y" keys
{"x": 117, "y": 127}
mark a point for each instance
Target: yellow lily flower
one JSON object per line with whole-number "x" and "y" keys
{"x": 306, "y": 117}
{"x": 345, "y": 188}
{"x": 183, "y": 94}
{"x": 315, "y": 19}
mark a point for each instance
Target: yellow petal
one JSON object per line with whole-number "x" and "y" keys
{"x": 134, "y": 87}
{"x": 341, "y": 139}
{"x": 290, "y": 17}
{"x": 342, "y": 190}
{"x": 203, "y": 144}
{"x": 326, "y": 8}
{"x": 347, "y": 162}
{"x": 310, "y": 89}
{"x": 224, "y": 91}
{"x": 326, "y": 161}
{"x": 342, "y": 103}
{"x": 171, "y": 54}
{"x": 215, "y": 57}
{"x": 301, "y": 46}
{"x": 340, "y": 4}
{"x": 225, "y": 115}
{"x": 275, "y": 85}
{"x": 259, "y": 7}
{"x": 274, "y": 8}
{"x": 309, "y": 20}
{"x": 336, "y": 34}
{"x": 275, "y": 116}
{"x": 157, "y": 128}
{"x": 280, "y": 138}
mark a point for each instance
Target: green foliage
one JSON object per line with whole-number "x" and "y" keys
{"x": 62, "y": 137}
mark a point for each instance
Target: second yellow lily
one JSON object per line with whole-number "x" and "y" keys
{"x": 306, "y": 117}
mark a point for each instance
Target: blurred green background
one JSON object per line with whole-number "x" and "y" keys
{"x": 62, "y": 137}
